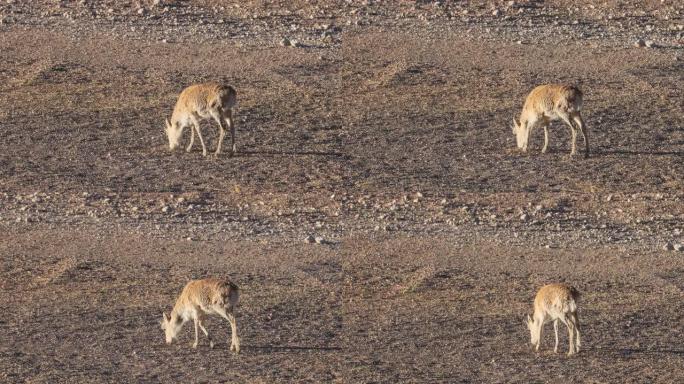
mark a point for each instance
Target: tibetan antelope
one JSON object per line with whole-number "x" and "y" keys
{"x": 555, "y": 302}
{"x": 547, "y": 103}
{"x": 198, "y": 102}
{"x": 200, "y": 298}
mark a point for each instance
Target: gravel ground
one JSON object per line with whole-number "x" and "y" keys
{"x": 377, "y": 215}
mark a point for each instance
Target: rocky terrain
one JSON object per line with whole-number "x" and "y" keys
{"x": 377, "y": 215}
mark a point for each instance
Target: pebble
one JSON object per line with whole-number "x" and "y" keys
{"x": 668, "y": 247}
{"x": 678, "y": 247}
{"x": 639, "y": 43}
{"x": 310, "y": 239}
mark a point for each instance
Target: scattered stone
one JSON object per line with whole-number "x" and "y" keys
{"x": 650, "y": 44}
{"x": 678, "y": 247}
{"x": 310, "y": 239}
{"x": 668, "y": 247}
{"x": 320, "y": 240}
{"x": 639, "y": 43}
{"x": 524, "y": 217}
{"x": 285, "y": 42}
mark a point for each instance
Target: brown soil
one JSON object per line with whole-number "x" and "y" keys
{"x": 386, "y": 133}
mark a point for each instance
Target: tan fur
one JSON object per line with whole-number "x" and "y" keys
{"x": 200, "y": 298}
{"x": 203, "y": 101}
{"x": 547, "y": 103}
{"x": 555, "y": 302}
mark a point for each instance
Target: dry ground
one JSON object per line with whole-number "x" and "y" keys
{"x": 386, "y": 131}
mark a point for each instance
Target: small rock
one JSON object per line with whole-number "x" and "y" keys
{"x": 310, "y": 239}
{"x": 639, "y": 43}
{"x": 524, "y": 217}
{"x": 320, "y": 240}
{"x": 165, "y": 208}
{"x": 650, "y": 44}
{"x": 285, "y": 42}
{"x": 496, "y": 13}
{"x": 679, "y": 247}
{"x": 668, "y": 247}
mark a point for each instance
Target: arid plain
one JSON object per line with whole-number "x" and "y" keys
{"x": 378, "y": 130}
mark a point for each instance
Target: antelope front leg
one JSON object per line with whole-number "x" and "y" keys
{"x": 573, "y": 149}
{"x": 199, "y": 134}
{"x": 585, "y": 133}
{"x": 222, "y": 132}
{"x": 211, "y": 342}
{"x": 235, "y": 340}
{"x": 196, "y": 333}
{"x": 539, "y": 332}
{"x": 192, "y": 140}
{"x": 546, "y": 138}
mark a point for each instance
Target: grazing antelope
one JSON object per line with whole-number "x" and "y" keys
{"x": 200, "y": 298}
{"x": 555, "y": 302}
{"x": 547, "y": 103}
{"x": 202, "y": 101}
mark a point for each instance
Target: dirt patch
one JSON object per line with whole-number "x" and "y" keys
{"x": 384, "y": 131}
